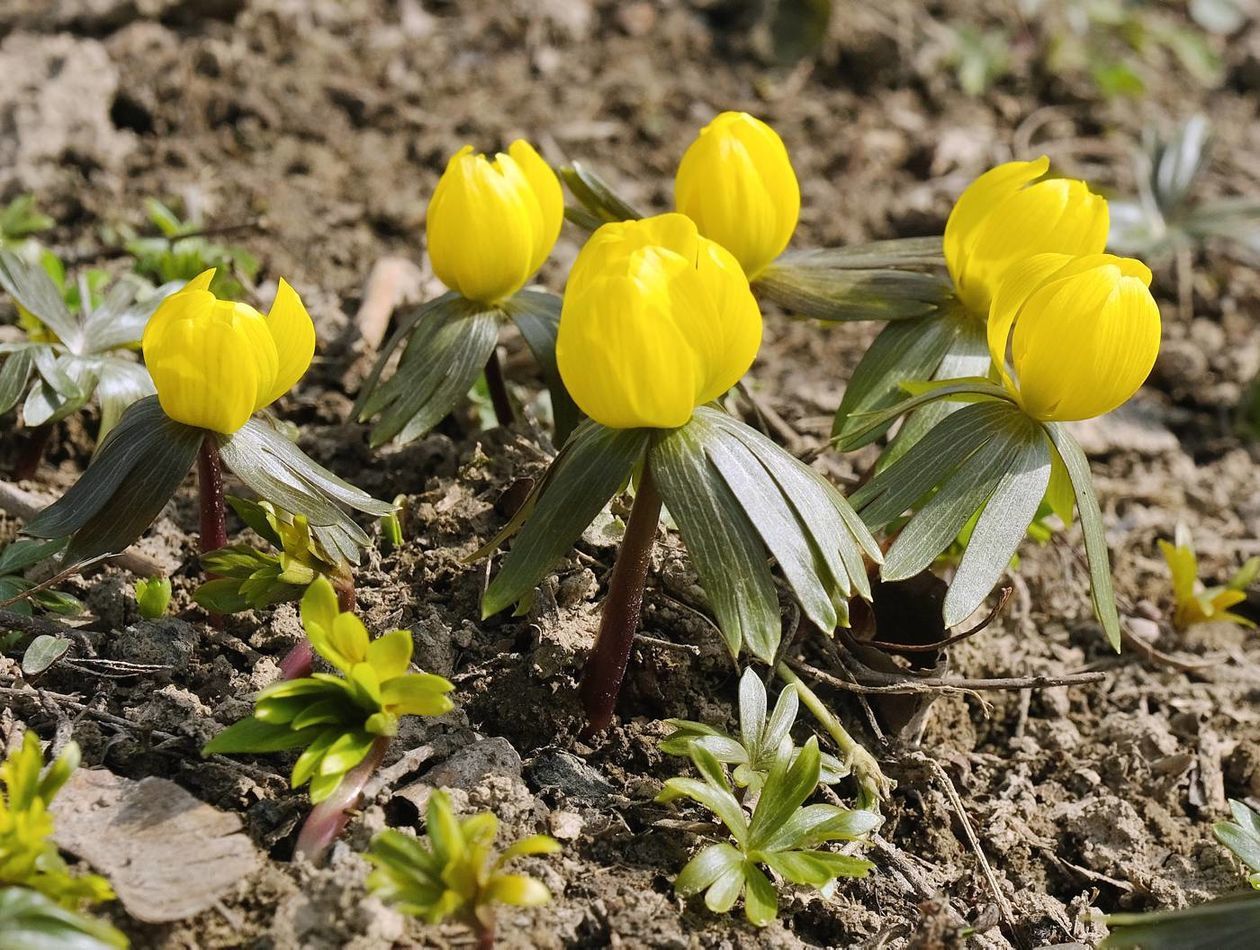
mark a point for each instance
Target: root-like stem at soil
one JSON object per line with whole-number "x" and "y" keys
{"x": 329, "y": 818}
{"x": 873, "y": 785}
{"x": 606, "y": 666}
{"x": 497, "y": 385}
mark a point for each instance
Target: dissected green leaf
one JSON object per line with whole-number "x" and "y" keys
{"x": 537, "y": 316}
{"x": 1101, "y": 590}
{"x": 448, "y": 342}
{"x": 596, "y": 196}
{"x": 1228, "y": 923}
{"x": 724, "y": 547}
{"x": 885, "y": 280}
{"x": 593, "y": 465}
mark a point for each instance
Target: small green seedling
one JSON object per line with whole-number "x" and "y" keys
{"x": 1242, "y": 836}
{"x": 40, "y": 899}
{"x": 68, "y": 360}
{"x": 454, "y": 872}
{"x": 153, "y": 597}
{"x": 782, "y": 834}
{"x": 19, "y": 556}
{"x": 391, "y": 524}
{"x": 245, "y": 578}
{"x": 753, "y": 754}
{"x": 337, "y": 718}
{"x": 182, "y": 250}
{"x": 1193, "y": 602}
{"x": 20, "y": 220}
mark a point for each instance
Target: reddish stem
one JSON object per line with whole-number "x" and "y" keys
{"x": 33, "y": 452}
{"x": 213, "y": 506}
{"x": 498, "y": 390}
{"x": 606, "y": 666}
{"x": 299, "y": 661}
{"x": 329, "y": 818}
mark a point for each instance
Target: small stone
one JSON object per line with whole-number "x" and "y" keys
{"x": 568, "y": 774}
{"x": 473, "y": 763}
{"x": 565, "y": 825}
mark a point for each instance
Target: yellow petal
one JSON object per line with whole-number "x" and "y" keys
{"x": 1001, "y": 218}
{"x": 202, "y": 365}
{"x": 485, "y": 227}
{"x": 1018, "y": 284}
{"x": 390, "y": 654}
{"x": 293, "y": 334}
{"x": 547, "y": 192}
{"x": 348, "y": 640}
{"x": 202, "y": 280}
{"x": 656, "y": 320}
{"x": 1085, "y": 341}
{"x": 737, "y": 183}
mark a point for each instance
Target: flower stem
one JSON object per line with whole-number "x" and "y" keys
{"x": 606, "y": 666}
{"x": 498, "y": 390}
{"x": 213, "y": 507}
{"x": 485, "y": 934}
{"x": 873, "y": 785}
{"x": 299, "y": 661}
{"x": 329, "y": 818}
{"x": 33, "y": 452}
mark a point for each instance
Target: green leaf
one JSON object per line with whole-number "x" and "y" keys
{"x": 134, "y": 473}
{"x": 761, "y": 901}
{"x": 537, "y": 316}
{"x": 752, "y": 708}
{"x": 519, "y": 890}
{"x": 222, "y": 595}
{"x": 930, "y": 463}
{"x": 706, "y": 867}
{"x": 718, "y": 800}
{"x": 42, "y": 653}
{"x": 886, "y": 280}
{"x": 153, "y": 596}
{"x": 911, "y": 349}
{"x": 1228, "y": 923}
{"x": 448, "y": 342}
{"x": 596, "y": 195}
{"x": 816, "y": 868}
{"x": 14, "y": 373}
{"x": 1242, "y": 835}
{"x": 1101, "y": 591}
{"x": 31, "y": 921}
{"x": 814, "y": 824}
{"x": 789, "y": 783}
{"x": 593, "y": 465}
{"x": 1002, "y": 526}
{"x": 31, "y": 286}
{"x": 725, "y": 549}
{"x": 967, "y": 390}
{"x": 724, "y": 892}
{"x": 255, "y": 516}
{"x": 252, "y": 735}
{"x": 23, "y": 553}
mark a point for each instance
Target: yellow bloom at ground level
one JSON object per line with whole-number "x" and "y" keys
{"x": 656, "y": 321}
{"x": 216, "y": 362}
{"x": 1006, "y": 215}
{"x": 491, "y": 224}
{"x": 736, "y": 182}
{"x": 1082, "y": 333}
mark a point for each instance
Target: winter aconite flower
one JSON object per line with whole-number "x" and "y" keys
{"x": 217, "y": 362}
{"x": 492, "y": 223}
{"x": 657, "y": 320}
{"x": 736, "y": 182}
{"x": 1007, "y": 215}
{"x": 1082, "y": 333}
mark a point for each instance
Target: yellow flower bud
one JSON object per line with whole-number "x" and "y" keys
{"x": 736, "y": 182}
{"x": 1082, "y": 333}
{"x": 216, "y": 362}
{"x": 491, "y": 224}
{"x": 656, "y": 321}
{"x": 1003, "y": 217}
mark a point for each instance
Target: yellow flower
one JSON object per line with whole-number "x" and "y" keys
{"x": 1083, "y": 333}
{"x": 736, "y": 182}
{"x": 217, "y": 362}
{"x": 656, "y": 321}
{"x": 491, "y": 224}
{"x": 1003, "y": 217}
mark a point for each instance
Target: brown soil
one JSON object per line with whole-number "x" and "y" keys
{"x": 327, "y": 123}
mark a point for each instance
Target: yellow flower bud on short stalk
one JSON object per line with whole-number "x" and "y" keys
{"x": 491, "y": 224}
{"x": 737, "y": 183}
